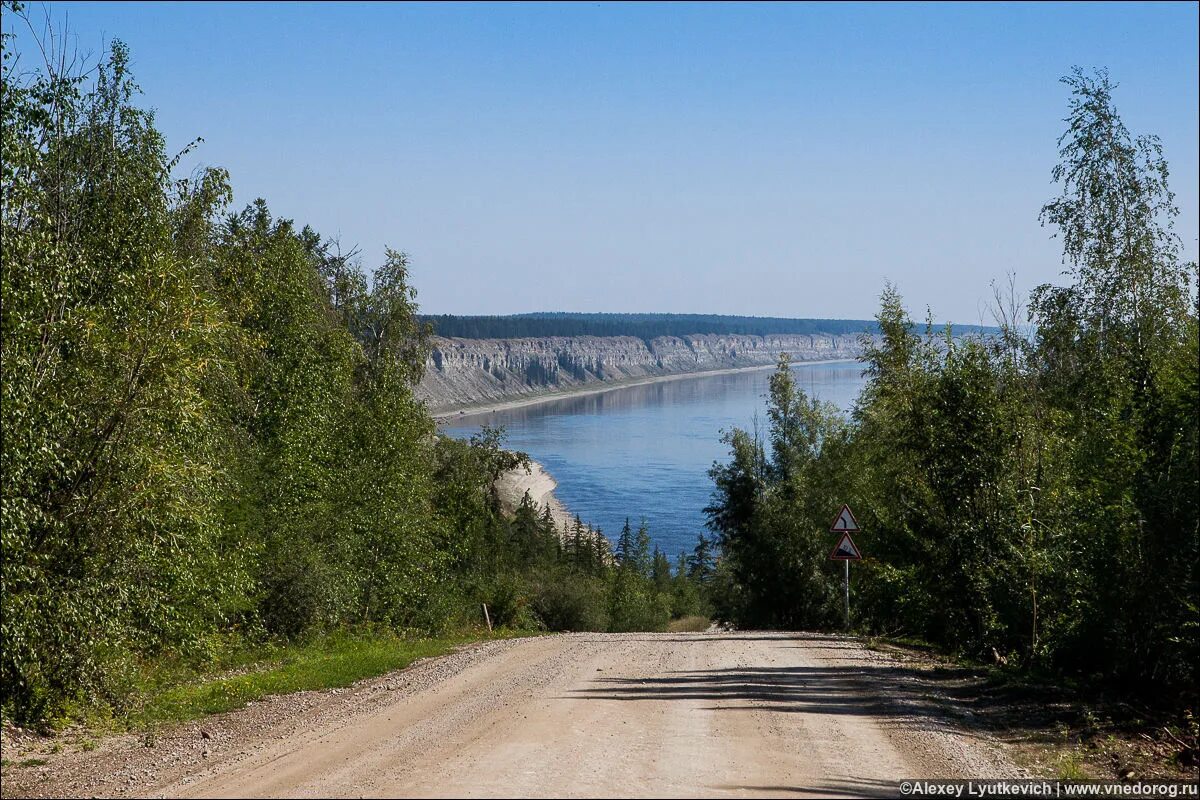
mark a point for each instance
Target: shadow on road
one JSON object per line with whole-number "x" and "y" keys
{"x": 922, "y": 696}
{"x": 880, "y": 692}
{"x": 827, "y": 640}
{"x": 849, "y": 787}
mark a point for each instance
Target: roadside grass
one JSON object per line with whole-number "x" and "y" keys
{"x": 173, "y": 693}
{"x": 1058, "y": 756}
{"x": 165, "y": 692}
{"x": 692, "y": 624}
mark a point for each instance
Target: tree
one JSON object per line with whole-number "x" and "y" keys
{"x": 1116, "y": 218}
{"x": 765, "y": 512}
{"x": 699, "y": 565}
{"x": 1115, "y": 357}
{"x": 626, "y": 555}
{"x": 111, "y": 519}
{"x": 660, "y": 572}
{"x": 641, "y": 556}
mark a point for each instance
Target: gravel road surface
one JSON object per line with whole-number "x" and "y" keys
{"x": 584, "y": 715}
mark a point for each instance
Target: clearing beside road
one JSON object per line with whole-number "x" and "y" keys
{"x": 639, "y": 714}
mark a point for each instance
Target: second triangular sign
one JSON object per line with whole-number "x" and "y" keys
{"x": 846, "y": 550}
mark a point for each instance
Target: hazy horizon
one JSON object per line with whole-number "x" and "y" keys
{"x": 747, "y": 160}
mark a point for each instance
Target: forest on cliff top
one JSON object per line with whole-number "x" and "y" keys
{"x": 644, "y": 326}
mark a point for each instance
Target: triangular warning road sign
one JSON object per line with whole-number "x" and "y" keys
{"x": 846, "y": 550}
{"x": 844, "y": 521}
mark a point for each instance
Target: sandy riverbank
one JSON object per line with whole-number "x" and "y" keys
{"x": 492, "y": 406}
{"x": 540, "y": 485}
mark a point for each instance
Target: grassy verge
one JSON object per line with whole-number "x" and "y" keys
{"x": 173, "y": 693}
{"x": 162, "y": 693}
{"x": 688, "y": 624}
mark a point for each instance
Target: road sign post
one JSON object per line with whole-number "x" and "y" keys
{"x": 845, "y": 550}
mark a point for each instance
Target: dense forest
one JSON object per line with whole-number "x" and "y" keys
{"x": 1029, "y": 498}
{"x": 642, "y": 326}
{"x": 210, "y": 437}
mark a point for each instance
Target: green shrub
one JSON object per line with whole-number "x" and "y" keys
{"x": 564, "y": 600}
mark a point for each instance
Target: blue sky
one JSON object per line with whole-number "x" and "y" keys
{"x": 773, "y": 160}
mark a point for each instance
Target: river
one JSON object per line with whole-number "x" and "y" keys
{"x": 645, "y": 451}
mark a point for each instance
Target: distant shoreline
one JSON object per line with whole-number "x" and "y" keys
{"x": 478, "y": 409}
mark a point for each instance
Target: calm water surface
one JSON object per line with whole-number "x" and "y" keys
{"x": 645, "y": 451}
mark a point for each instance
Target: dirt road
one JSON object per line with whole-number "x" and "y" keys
{"x": 713, "y": 714}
